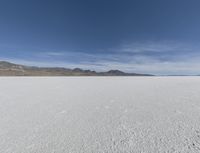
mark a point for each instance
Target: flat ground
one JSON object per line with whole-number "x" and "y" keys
{"x": 99, "y": 114}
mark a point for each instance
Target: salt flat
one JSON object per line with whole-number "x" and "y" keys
{"x": 99, "y": 114}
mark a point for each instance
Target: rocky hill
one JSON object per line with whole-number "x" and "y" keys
{"x": 11, "y": 69}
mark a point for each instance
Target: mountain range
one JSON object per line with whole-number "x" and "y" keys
{"x": 11, "y": 69}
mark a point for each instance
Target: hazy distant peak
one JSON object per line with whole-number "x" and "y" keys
{"x": 11, "y": 69}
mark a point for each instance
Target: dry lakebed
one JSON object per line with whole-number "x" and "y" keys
{"x": 99, "y": 114}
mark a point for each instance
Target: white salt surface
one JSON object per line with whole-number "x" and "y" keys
{"x": 99, "y": 114}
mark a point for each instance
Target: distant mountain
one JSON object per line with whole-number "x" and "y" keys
{"x": 11, "y": 69}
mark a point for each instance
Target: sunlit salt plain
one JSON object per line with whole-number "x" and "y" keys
{"x": 99, "y": 114}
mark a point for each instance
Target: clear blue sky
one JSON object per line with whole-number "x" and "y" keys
{"x": 145, "y": 36}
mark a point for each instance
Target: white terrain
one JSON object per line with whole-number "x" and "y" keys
{"x": 99, "y": 114}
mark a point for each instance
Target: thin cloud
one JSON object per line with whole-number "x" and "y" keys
{"x": 150, "y": 46}
{"x": 153, "y": 58}
{"x": 54, "y": 53}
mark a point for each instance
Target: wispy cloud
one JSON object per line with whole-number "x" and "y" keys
{"x": 54, "y": 53}
{"x": 147, "y": 47}
{"x": 148, "y": 57}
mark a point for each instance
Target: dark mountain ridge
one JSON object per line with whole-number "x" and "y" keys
{"x": 11, "y": 69}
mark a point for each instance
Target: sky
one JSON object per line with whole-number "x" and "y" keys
{"x": 159, "y": 37}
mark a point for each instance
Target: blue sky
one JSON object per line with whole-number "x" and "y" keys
{"x": 144, "y": 36}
